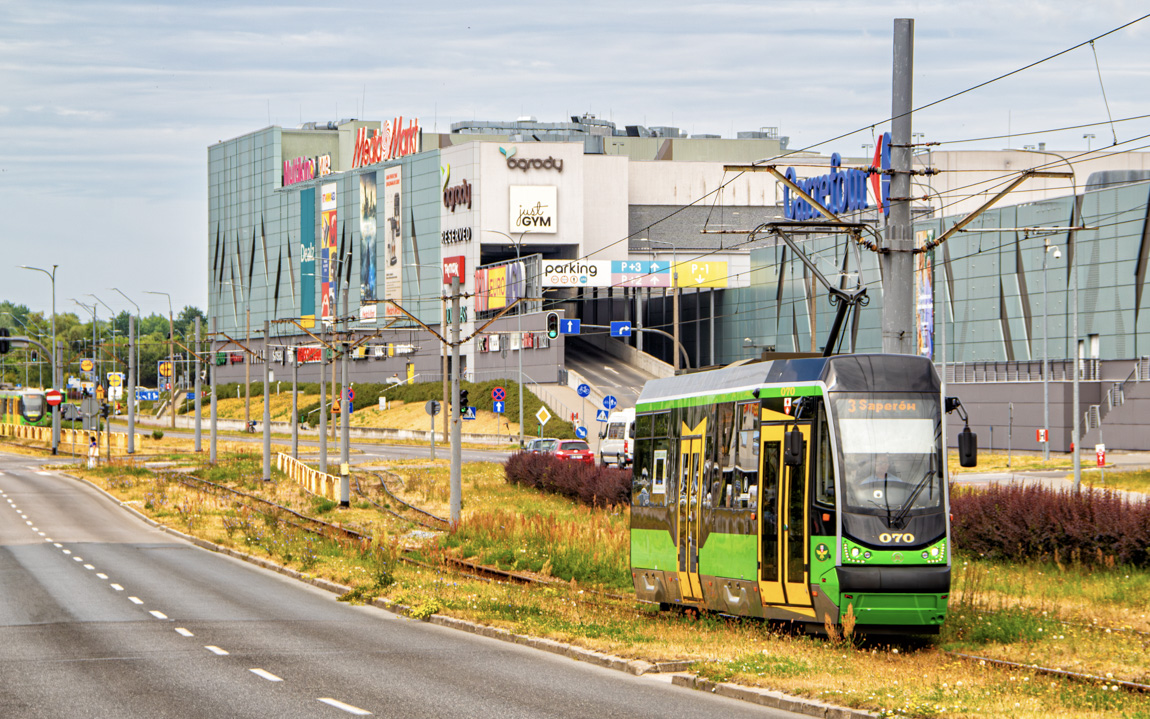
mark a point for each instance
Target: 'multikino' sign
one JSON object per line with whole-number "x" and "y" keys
{"x": 841, "y": 190}
{"x": 303, "y": 169}
{"x": 393, "y": 141}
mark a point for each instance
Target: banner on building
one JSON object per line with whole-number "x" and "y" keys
{"x": 576, "y": 273}
{"x": 328, "y": 208}
{"x": 307, "y": 257}
{"x": 924, "y": 293}
{"x": 393, "y": 238}
{"x": 367, "y": 309}
{"x": 534, "y": 209}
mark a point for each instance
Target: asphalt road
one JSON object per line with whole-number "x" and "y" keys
{"x": 613, "y": 377}
{"x": 102, "y": 615}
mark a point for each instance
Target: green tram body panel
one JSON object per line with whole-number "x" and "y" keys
{"x": 725, "y": 573}
{"x": 14, "y": 411}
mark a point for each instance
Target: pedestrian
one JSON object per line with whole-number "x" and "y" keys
{"x": 93, "y": 452}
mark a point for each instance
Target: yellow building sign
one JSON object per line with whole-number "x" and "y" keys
{"x": 701, "y": 273}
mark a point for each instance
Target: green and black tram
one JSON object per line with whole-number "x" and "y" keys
{"x": 24, "y": 406}
{"x": 793, "y": 489}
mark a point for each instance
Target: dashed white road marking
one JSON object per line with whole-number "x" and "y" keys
{"x": 216, "y": 650}
{"x": 66, "y": 551}
{"x": 266, "y": 675}
{"x": 89, "y": 567}
{"x": 57, "y": 545}
{"x": 77, "y": 559}
{"x": 117, "y": 587}
{"x": 29, "y": 522}
{"x": 346, "y": 707}
{"x": 46, "y": 474}
{"x": 38, "y": 531}
{"x": 135, "y": 600}
{"x": 184, "y": 632}
{"x": 101, "y": 575}
{"x": 158, "y": 614}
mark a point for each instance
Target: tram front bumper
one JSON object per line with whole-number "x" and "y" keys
{"x": 895, "y": 596}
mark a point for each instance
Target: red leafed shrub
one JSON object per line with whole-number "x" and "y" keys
{"x": 586, "y": 483}
{"x": 1021, "y": 522}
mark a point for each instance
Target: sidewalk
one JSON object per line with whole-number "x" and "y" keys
{"x": 1057, "y": 479}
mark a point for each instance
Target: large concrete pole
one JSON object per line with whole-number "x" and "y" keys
{"x": 897, "y": 261}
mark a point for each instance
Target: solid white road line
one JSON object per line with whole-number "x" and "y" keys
{"x": 158, "y": 614}
{"x": 216, "y": 650}
{"x": 184, "y": 632}
{"x": 117, "y": 587}
{"x": 346, "y": 707}
{"x": 135, "y": 600}
{"x": 266, "y": 675}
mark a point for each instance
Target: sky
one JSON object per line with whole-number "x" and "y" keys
{"x": 108, "y": 108}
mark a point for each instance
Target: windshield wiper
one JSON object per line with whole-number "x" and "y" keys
{"x": 898, "y": 519}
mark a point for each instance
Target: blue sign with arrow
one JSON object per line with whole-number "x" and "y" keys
{"x": 620, "y": 329}
{"x": 498, "y": 407}
{"x": 581, "y": 432}
{"x": 148, "y": 395}
{"x": 568, "y": 327}
{"x": 610, "y": 402}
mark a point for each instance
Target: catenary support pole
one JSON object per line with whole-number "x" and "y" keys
{"x": 198, "y": 402}
{"x": 131, "y": 385}
{"x": 897, "y": 260}
{"x": 267, "y": 403}
{"x": 456, "y": 415}
{"x": 294, "y": 358}
{"x": 322, "y": 410}
{"x": 344, "y": 430}
{"x": 212, "y": 399}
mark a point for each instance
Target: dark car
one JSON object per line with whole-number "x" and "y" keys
{"x": 575, "y": 450}
{"x": 541, "y": 445}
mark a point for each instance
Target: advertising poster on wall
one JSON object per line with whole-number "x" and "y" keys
{"x": 307, "y": 257}
{"x": 534, "y": 208}
{"x": 497, "y": 287}
{"x": 367, "y": 196}
{"x": 328, "y": 221}
{"x": 393, "y": 238}
{"x": 924, "y": 293}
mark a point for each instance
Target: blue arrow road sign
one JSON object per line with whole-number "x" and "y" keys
{"x": 583, "y": 389}
{"x": 601, "y": 415}
{"x": 147, "y": 395}
{"x": 620, "y": 329}
{"x": 581, "y": 432}
{"x": 469, "y": 414}
{"x": 568, "y": 327}
{"x": 498, "y": 407}
{"x": 610, "y": 402}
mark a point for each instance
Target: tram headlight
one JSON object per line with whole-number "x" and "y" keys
{"x": 934, "y": 552}
{"x": 866, "y": 555}
{"x": 925, "y": 555}
{"x": 854, "y": 552}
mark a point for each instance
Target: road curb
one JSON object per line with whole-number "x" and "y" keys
{"x": 635, "y": 667}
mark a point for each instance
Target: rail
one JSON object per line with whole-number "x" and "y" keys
{"x": 1058, "y": 370}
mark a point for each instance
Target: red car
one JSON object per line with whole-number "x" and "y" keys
{"x": 575, "y": 450}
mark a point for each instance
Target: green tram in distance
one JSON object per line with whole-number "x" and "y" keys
{"x": 24, "y": 406}
{"x": 794, "y": 488}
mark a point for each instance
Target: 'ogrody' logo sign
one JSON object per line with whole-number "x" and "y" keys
{"x": 534, "y": 163}
{"x": 457, "y": 195}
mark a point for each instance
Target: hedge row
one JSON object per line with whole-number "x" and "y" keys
{"x": 586, "y": 483}
{"x": 1019, "y": 522}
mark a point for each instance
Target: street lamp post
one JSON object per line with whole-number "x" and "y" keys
{"x": 171, "y": 351}
{"x": 1045, "y": 366}
{"x": 55, "y": 350}
{"x": 519, "y": 318}
{"x": 112, "y": 322}
{"x": 139, "y": 322}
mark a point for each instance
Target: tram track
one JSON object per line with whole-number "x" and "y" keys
{"x": 487, "y": 573}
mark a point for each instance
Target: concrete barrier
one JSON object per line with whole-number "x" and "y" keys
{"x": 312, "y": 480}
{"x": 79, "y": 437}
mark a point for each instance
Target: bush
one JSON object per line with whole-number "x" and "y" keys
{"x": 157, "y": 434}
{"x": 1015, "y": 522}
{"x": 586, "y": 483}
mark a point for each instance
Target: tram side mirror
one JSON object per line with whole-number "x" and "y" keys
{"x": 967, "y": 448}
{"x": 793, "y": 448}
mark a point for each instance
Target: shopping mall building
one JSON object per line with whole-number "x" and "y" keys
{"x": 361, "y": 226}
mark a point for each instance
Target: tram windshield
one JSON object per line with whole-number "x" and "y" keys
{"x": 890, "y": 453}
{"x": 33, "y": 407}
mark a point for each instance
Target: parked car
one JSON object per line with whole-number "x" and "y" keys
{"x": 575, "y": 450}
{"x": 541, "y": 445}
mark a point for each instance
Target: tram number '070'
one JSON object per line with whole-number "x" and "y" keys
{"x": 896, "y": 538}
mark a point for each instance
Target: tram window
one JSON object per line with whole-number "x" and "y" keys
{"x": 746, "y": 458}
{"x": 660, "y": 470}
{"x": 641, "y": 473}
{"x": 726, "y": 427}
{"x": 770, "y": 538}
{"x": 661, "y": 425}
{"x": 642, "y": 426}
{"x": 823, "y": 469}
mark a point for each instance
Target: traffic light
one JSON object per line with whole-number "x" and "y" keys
{"x": 552, "y": 325}
{"x": 5, "y": 345}
{"x": 462, "y": 401}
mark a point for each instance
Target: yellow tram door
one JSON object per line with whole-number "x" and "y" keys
{"x": 690, "y": 490}
{"x": 783, "y": 521}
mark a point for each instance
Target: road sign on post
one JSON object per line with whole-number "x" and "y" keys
{"x": 53, "y": 397}
{"x": 620, "y": 329}
{"x": 569, "y": 327}
{"x": 610, "y": 402}
{"x": 432, "y": 407}
{"x": 581, "y": 432}
{"x": 601, "y": 415}
{"x": 542, "y": 415}
{"x": 584, "y": 390}
{"x": 498, "y": 394}
{"x": 469, "y": 413}
{"x": 497, "y": 407}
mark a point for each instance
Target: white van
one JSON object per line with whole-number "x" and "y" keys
{"x": 617, "y": 440}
